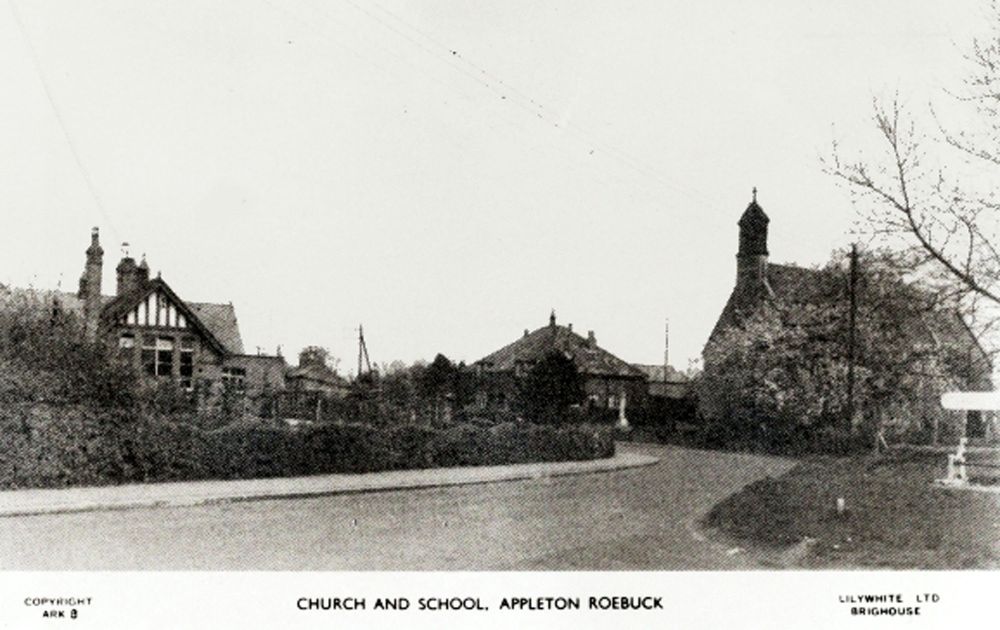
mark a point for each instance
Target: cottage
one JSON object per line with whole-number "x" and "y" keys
{"x": 608, "y": 381}
{"x": 313, "y": 375}
{"x": 665, "y": 381}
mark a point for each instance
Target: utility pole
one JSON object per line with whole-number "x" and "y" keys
{"x": 666, "y": 348}
{"x": 852, "y": 287}
{"x": 362, "y": 351}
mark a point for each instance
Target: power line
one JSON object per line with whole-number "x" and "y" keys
{"x": 535, "y": 106}
{"x": 59, "y": 118}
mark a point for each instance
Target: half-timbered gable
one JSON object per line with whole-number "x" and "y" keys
{"x": 163, "y": 336}
{"x": 194, "y": 344}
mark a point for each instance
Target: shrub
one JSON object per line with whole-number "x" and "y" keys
{"x": 246, "y": 452}
{"x": 411, "y": 446}
{"x": 56, "y": 446}
{"x": 462, "y": 445}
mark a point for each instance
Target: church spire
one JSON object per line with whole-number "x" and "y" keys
{"x": 753, "y": 229}
{"x": 751, "y": 259}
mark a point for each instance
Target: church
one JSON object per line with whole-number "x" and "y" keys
{"x": 761, "y": 284}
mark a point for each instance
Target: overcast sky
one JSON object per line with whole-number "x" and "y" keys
{"x": 445, "y": 172}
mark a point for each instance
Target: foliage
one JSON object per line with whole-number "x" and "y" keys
{"x": 318, "y": 356}
{"x": 550, "y": 388}
{"x": 928, "y": 188}
{"x": 45, "y": 357}
{"x": 73, "y": 413}
{"x": 55, "y": 446}
{"x": 782, "y": 374}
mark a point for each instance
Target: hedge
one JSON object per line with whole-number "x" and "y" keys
{"x": 57, "y": 446}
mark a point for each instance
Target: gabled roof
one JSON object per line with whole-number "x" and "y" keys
{"x": 801, "y": 285}
{"x": 318, "y": 374}
{"x": 220, "y": 319}
{"x": 225, "y": 325}
{"x": 590, "y": 359}
{"x": 661, "y": 373}
{"x": 791, "y": 284}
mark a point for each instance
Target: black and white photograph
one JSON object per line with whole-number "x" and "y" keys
{"x": 502, "y": 288}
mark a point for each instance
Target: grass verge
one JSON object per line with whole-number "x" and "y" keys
{"x": 894, "y": 517}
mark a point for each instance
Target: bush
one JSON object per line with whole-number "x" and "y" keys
{"x": 462, "y": 445}
{"x": 411, "y": 446}
{"x": 57, "y": 446}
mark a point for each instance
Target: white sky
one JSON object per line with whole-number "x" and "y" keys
{"x": 321, "y": 164}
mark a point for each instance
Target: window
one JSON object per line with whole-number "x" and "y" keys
{"x": 186, "y": 367}
{"x": 613, "y": 401}
{"x": 234, "y": 378}
{"x": 126, "y": 341}
{"x": 158, "y": 356}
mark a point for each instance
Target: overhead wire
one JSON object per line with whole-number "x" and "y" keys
{"x": 60, "y": 119}
{"x": 536, "y": 107}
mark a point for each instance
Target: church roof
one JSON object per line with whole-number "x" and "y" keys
{"x": 801, "y": 285}
{"x": 795, "y": 285}
{"x": 754, "y": 214}
{"x": 589, "y": 358}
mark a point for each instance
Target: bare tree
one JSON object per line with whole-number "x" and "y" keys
{"x": 930, "y": 187}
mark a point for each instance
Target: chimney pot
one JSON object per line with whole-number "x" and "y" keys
{"x": 570, "y": 326}
{"x": 591, "y": 339}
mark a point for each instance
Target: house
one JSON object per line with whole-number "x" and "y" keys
{"x": 761, "y": 284}
{"x": 313, "y": 375}
{"x": 665, "y": 381}
{"x": 608, "y": 381}
{"x": 196, "y": 345}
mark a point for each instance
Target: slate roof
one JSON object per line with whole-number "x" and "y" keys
{"x": 317, "y": 373}
{"x": 220, "y": 319}
{"x": 590, "y": 359}
{"x": 802, "y": 285}
{"x": 791, "y": 284}
{"x": 661, "y": 373}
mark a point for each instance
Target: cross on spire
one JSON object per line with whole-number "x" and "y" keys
{"x": 755, "y": 194}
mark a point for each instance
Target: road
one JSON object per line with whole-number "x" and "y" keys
{"x": 642, "y": 518}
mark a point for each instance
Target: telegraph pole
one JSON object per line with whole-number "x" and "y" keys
{"x": 363, "y": 351}
{"x": 852, "y": 285}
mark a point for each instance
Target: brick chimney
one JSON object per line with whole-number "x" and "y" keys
{"x": 591, "y": 339}
{"x": 142, "y": 271}
{"x": 90, "y": 285}
{"x": 128, "y": 273}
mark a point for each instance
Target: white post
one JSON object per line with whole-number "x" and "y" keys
{"x": 963, "y": 474}
{"x": 622, "y": 420}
